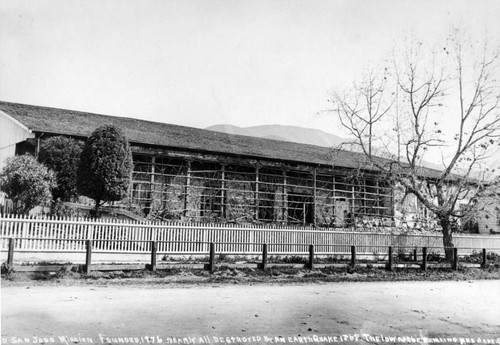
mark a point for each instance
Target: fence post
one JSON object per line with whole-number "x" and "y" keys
{"x": 353, "y": 256}
{"x": 88, "y": 257}
{"x": 424, "y": 258}
{"x": 10, "y": 256}
{"x": 415, "y": 258}
{"x": 154, "y": 247}
{"x": 264, "y": 257}
{"x": 389, "y": 264}
{"x": 485, "y": 259}
{"x": 211, "y": 263}
{"x": 311, "y": 257}
{"x": 455, "y": 259}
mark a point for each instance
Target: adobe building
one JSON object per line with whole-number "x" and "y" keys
{"x": 189, "y": 174}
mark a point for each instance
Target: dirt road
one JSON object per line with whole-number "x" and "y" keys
{"x": 320, "y": 313}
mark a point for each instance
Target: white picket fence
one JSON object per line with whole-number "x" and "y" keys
{"x": 46, "y": 235}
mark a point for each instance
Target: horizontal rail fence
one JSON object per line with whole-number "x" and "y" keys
{"x": 116, "y": 236}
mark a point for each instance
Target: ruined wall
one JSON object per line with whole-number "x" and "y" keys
{"x": 168, "y": 197}
{"x": 409, "y": 213}
{"x": 240, "y": 199}
{"x": 216, "y": 190}
{"x": 488, "y": 218}
{"x": 324, "y": 208}
{"x": 240, "y": 202}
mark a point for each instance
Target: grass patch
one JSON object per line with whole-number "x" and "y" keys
{"x": 292, "y": 270}
{"x": 232, "y": 275}
{"x": 44, "y": 276}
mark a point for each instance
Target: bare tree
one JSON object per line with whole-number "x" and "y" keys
{"x": 430, "y": 103}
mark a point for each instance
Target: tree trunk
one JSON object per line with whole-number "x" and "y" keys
{"x": 447, "y": 238}
{"x": 96, "y": 209}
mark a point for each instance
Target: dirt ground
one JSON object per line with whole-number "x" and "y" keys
{"x": 251, "y": 313}
{"x": 240, "y": 275}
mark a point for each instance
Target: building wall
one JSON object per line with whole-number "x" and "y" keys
{"x": 229, "y": 189}
{"x": 11, "y": 133}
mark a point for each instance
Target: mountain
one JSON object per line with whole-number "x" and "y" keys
{"x": 284, "y": 133}
{"x": 298, "y": 135}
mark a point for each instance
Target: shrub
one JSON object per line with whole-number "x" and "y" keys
{"x": 435, "y": 257}
{"x": 7, "y": 271}
{"x": 27, "y": 182}
{"x": 62, "y": 155}
{"x": 59, "y": 209}
{"x": 105, "y": 169}
{"x": 294, "y": 259}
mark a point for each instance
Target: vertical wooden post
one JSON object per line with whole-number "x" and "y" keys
{"x": 88, "y": 257}
{"x": 10, "y": 256}
{"x": 353, "y": 207}
{"x": 335, "y": 220}
{"x": 211, "y": 264}
{"x": 485, "y": 259}
{"x": 389, "y": 264}
{"x": 223, "y": 191}
{"x": 186, "y": 187}
{"x": 256, "y": 196}
{"x": 415, "y": 255}
{"x": 380, "y": 211}
{"x": 353, "y": 256}
{"x": 311, "y": 257}
{"x": 154, "y": 248}
{"x": 315, "y": 195}
{"x": 152, "y": 184}
{"x": 285, "y": 198}
{"x": 455, "y": 259}
{"x": 264, "y": 257}
{"x": 424, "y": 258}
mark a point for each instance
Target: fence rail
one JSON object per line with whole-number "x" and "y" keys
{"x": 116, "y": 236}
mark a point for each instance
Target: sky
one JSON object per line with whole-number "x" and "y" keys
{"x": 201, "y": 63}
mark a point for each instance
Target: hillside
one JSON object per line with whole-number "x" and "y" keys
{"x": 298, "y": 135}
{"x": 285, "y": 133}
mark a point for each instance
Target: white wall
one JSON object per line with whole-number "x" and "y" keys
{"x": 11, "y": 133}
